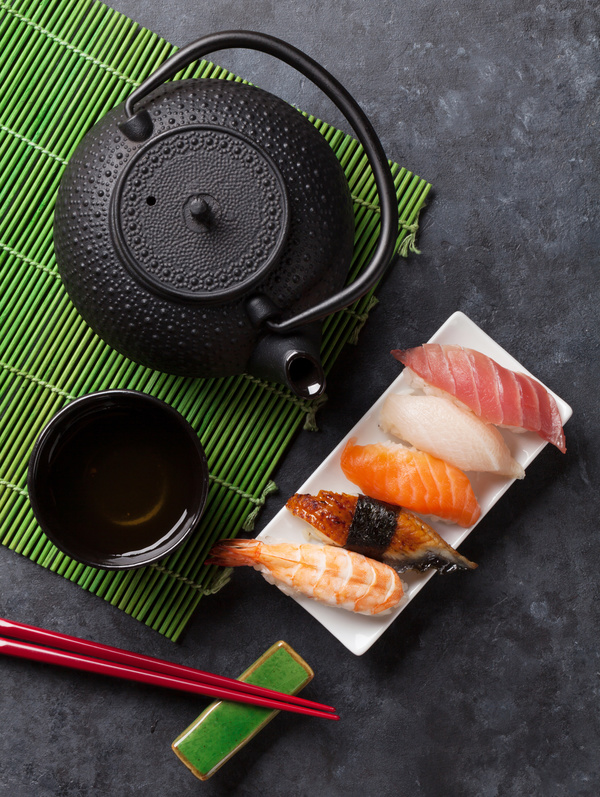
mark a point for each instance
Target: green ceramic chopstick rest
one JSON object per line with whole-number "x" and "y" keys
{"x": 205, "y": 227}
{"x": 225, "y": 727}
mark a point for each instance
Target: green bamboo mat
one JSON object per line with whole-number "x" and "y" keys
{"x": 64, "y": 64}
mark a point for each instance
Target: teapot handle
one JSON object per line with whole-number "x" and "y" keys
{"x": 140, "y": 125}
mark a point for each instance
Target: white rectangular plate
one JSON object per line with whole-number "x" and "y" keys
{"x": 356, "y": 631}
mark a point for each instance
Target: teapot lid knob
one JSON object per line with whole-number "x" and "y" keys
{"x": 199, "y": 208}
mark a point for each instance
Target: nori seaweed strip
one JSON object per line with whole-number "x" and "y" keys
{"x": 373, "y": 527}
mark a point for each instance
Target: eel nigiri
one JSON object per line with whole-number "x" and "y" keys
{"x": 378, "y": 530}
{"x": 456, "y": 435}
{"x": 496, "y": 394}
{"x": 412, "y": 479}
{"x": 330, "y": 575}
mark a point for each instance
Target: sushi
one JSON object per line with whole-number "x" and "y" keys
{"x": 330, "y": 575}
{"x": 412, "y": 479}
{"x": 497, "y": 395}
{"x": 456, "y": 435}
{"x": 377, "y": 530}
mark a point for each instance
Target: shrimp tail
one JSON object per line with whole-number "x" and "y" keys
{"x": 233, "y": 553}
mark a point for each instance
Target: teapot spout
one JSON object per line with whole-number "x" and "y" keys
{"x": 292, "y": 360}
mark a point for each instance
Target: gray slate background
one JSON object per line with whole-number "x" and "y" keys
{"x": 487, "y": 685}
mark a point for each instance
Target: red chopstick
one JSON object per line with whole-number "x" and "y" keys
{"x": 145, "y": 669}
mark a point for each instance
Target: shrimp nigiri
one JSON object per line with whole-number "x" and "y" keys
{"x": 496, "y": 394}
{"x": 412, "y": 479}
{"x": 377, "y": 529}
{"x": 330, "y": 575}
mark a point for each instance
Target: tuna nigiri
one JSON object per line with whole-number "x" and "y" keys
{"x": 496, "y": 394}
{"x": 456, "y": 435}
{"x": 412, "y": 479}
{"x": 328, "y": 574}
{"x": 378, "y": 530}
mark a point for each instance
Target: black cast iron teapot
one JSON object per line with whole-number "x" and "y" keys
{"x": 205, "y": 227}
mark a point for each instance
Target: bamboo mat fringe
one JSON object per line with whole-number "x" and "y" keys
{"x": 63, "y": 65}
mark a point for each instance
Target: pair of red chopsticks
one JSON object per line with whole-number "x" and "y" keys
{"x": 80, "y": 654}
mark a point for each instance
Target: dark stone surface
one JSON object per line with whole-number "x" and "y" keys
{"x": 487, "y": 684}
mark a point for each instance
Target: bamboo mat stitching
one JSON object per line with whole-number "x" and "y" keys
{"x": 68, "y": 46}
{"x": 33, "y": 145}
{"x": 10, "y": 486}
{"x": 36, "y": 380}
{"x": 29, "y": 260}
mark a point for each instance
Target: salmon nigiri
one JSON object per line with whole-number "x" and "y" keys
{"x": 412, "y": 479}
{"x": 496, "y": 394}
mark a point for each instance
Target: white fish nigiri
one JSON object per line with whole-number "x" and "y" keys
{"x": 441, "y": 428}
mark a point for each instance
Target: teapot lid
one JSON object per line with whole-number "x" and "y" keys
{"x": 200, "y": 212}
